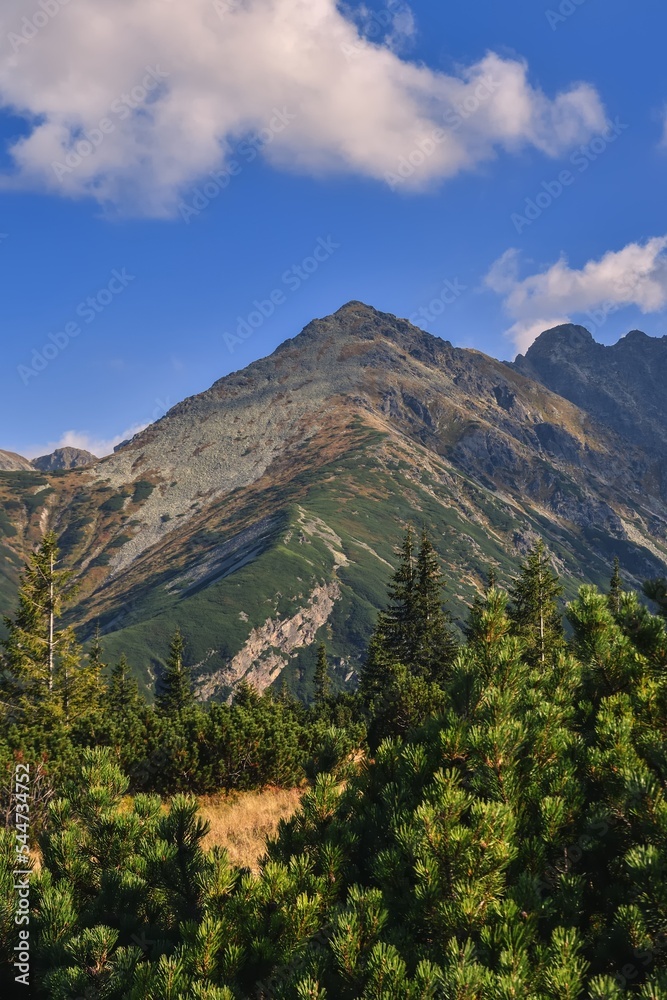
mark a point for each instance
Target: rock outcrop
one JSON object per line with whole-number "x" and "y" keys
{"x": 64, "y": 458}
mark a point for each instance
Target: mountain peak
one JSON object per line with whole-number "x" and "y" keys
{"x": 637, "y": 339}
{"x": 64, "y": 458}
{"x": 11, "y": 462}
{"x": 358, "y": 322}
{"x": 552, "y": 343}
{"x": 621, "y": 385}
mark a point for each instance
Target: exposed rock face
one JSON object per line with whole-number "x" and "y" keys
{"x": 260, "y": 516}
{"x": 267, "y": 649}
{"x": 64, "y": 458}
{"x": 11, "y": 462}
{"x": 623, "y": 386}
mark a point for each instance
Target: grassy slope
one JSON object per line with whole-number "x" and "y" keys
{"x": 366, "y": 498}
{"x": 250, "y": 556}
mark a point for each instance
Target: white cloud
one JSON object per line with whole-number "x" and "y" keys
{"x": 633, "y": 276}
{"x": 229, "y": 64}
{"x": 83, "y": 440}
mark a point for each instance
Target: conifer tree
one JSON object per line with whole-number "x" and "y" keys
{"x": 615, "y": 588}
{"x": 535, "y": 611}
{"x": 415, "y": 628}
{"x": 42, "y": 659}
{"x": 322, "y": 679}
{"x": 397, "y": 624}
{"x": 96, "y": 656}
{"x": 435, "y": 645}
{"x": 176, "y": 685}
{"x": 123, "y": 696}
{"x": 478, "y": 607}
{"x": 87, "y": 684}
{"x": 656, "y": 590}
{"x": 125, "y": 719}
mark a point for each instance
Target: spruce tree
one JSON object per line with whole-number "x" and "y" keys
{"x": 535, "y": 611}
{"x": 615, "y": 588}
{"x": 322, "y": 679}
{"x": 375, "y": 674}
{"x": 397, "y": 625}
{"x": 415, "y": 627}
{"x": 175, "y": 692}
{"x": 42, "y": 659}
{"x": 125, "y": 721}
{"x": 123, "y": 696}
{"x": 88, "y": 687}
{"x": 435, "y": 646}
{"x": 479, "y": 605}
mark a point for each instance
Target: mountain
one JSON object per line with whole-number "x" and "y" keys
{"x": 261, "y": 515}
{"x": 61, "y": 458}
{"x": 622, "y": 386}
{"x": 11, "y": 462}
{"x": 64, "y": 458}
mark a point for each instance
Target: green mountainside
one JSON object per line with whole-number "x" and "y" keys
{"x": 261, "y": 516}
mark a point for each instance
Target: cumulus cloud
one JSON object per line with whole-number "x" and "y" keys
{"x": 179, "y": 83}
{"x": 85, "y": 441}
{"x": 633, "y": 276}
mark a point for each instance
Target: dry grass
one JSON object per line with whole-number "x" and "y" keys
{"x": 242, "y": 822}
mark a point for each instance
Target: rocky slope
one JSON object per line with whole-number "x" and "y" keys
{"x": 261, "y": 515}
{"x": 64, "y": 458}
{"x": 624, "y": 386}
{"x": 11, "y": 462}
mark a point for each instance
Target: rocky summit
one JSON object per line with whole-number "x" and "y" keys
{"x": 64, "y": 458}
{"x": 262, "y": 514}
{"x": 622, "y": 386}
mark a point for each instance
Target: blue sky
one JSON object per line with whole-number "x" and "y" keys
{"x": 312, "y": 210}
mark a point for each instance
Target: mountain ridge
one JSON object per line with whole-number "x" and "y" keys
{"x": 621, "y": 384}
{"x": 260, "y": 515}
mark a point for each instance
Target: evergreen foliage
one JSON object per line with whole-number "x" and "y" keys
{"x": 322, "y": 679}
{"x": 43, "y": 675}
{"x": 508, "y": 838}
{"x": 535, "y": 609}
{"x": 656, "y": 590}
{"x": 616, "y": 588}
{"x": 412, "y": 649}
{"x": 175, "y": 692}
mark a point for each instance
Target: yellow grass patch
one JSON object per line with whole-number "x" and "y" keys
{"x": 242, "y": 822}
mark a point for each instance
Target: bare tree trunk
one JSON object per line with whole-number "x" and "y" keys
{"x": 542, "y": 654}
{"x": 51, "y": 624}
